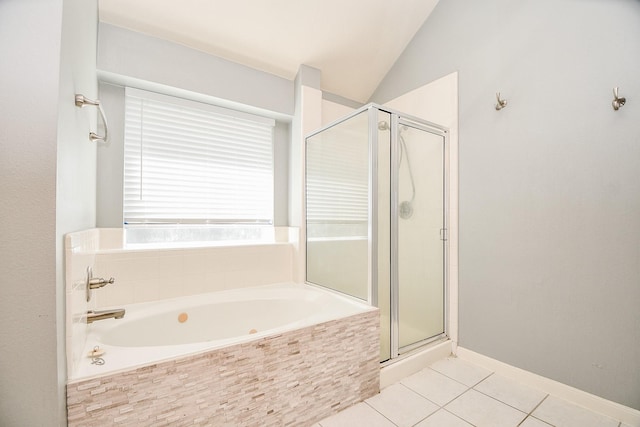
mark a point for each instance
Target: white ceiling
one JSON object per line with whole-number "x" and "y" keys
{"x": 353, "y": 42}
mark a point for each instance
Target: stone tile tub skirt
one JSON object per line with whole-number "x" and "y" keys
{"x": 295, "y": 378}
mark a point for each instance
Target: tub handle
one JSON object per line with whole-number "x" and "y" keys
{"x": 95, "y": 283}
{"x": 98, "y": 282}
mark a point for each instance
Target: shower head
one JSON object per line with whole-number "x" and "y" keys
{"x": 382, "y": 125}
{"x": 405, "y": 209}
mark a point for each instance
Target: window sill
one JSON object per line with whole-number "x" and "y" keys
{"x": 112, "y": 240}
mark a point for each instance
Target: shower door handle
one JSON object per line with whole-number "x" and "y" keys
{"x": 444, "y": 234}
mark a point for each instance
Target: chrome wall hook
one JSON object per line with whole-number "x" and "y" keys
{"x": 617, "y": 101}
{"x": 81, "y": 101}
{"x": 501, "y": 102}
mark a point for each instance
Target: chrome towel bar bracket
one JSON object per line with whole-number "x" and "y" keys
{"x": 501, "y": 102}
{"x": 617, "y": 100}
{"x": 81, "y": 101}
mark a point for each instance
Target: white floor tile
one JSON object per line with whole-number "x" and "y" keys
{"x": 401, "y": 405}
{"x": 434, "y": 386}
{"x": 494, "y": 401}
{"x": 561, "y": 413}
{"x": 443, "y": 418}
{"x": 483, "y": 411}
{"x": 511, "y": 392}
{"x": 357, "y": 415}
{"x": 461, "y": 371}
{"x": 534, "y": 422}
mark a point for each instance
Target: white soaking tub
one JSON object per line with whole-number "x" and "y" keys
{"x": 162, "y": 330}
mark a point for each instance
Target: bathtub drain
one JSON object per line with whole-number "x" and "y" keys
{"x": 95, "y": 356}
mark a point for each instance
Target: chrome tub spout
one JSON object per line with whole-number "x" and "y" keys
{"x": 93, "y": 316}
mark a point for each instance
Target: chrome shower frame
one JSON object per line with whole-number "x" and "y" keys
{"x": 397, "y": 119}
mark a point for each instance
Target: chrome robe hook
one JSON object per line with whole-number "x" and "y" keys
{"x": 617, "y": 101}
{"x": 81, "y": 101}
{"x": 501, "y": 102}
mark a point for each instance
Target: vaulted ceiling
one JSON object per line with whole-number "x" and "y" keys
{"x": 353, "y": 42}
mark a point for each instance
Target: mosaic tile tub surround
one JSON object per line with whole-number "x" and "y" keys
{"x": 293, "y": 378}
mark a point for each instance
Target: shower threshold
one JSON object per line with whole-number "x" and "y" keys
{"x": 413, "y": 361}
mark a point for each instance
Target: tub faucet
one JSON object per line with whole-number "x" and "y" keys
{"x": 92, "y": 316}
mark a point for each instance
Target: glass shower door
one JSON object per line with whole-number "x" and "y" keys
{"x": 420, "y": 239}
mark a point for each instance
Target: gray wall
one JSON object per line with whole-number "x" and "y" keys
{"x": 43, "y": 142}
{"x": 110, "y": 164}
{"x": 133, "y": 58}
{"x": 549, "y": 186}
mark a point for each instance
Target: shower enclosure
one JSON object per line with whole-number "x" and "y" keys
{"x": 376, "y": 210}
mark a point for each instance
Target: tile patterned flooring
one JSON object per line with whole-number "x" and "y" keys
{"x": 455, "y": 393}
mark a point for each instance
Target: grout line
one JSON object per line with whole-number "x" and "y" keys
{"x": 447, "y": 376}
{"x": 533, "y": 410}
{"x": 451, "y": 413}
{"x": 538, "y": 405}
{"x": 415, "y": 392}
{"x": 385, "y": 417}
{"x": 459, "y": 417}
{"x": 491, "y": 374}
{"x": 460, "y": 395}
{"x": 439, "y": 408}
{"x": 434, "y": 370}
{"x": 537, "y": 419}
{"x": 511, "y": 406}
{"x": 500, "y": 401}
{"x": 453, "y": 379}
{"x": 449, "y": 401}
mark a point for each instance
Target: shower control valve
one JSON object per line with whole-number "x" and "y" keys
{"x": 99, "y": 282}
{"x": 95, "y": 282}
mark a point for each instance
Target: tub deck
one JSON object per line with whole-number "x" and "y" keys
{"x": 152, "y": 332}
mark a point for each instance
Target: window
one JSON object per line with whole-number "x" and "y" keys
{"x": 193, "y": 163}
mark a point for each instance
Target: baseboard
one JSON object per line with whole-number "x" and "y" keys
{"x": 414, "y": 362}
{"x": 594, "y": 403}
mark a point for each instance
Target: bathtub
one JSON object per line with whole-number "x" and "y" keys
{"x": 273, "y": 355}
{"x": 156, "y": 331}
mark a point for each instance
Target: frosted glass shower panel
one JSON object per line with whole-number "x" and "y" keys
{"x": 337, "y": 169}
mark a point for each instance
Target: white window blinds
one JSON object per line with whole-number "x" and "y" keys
{"x": 187, "y": 162}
